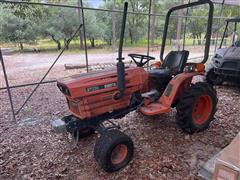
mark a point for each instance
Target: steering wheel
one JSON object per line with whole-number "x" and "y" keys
{"x": 140, "y": 60}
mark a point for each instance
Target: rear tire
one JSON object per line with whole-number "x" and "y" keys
{"x": 113, "y": 150}
{"x": 213, "y": 78}
{"x": 196, "y": 108}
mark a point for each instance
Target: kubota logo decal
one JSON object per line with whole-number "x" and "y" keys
{"x": 104, "y": 86}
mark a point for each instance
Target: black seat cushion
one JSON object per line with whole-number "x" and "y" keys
{"x": 175, "y": 61}
{"x": 173, "y": 64}
{"x": 160, "y": 73}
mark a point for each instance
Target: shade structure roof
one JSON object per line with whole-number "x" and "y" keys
{"x": 233, "y": 19}
{"x": 228, "y": 2}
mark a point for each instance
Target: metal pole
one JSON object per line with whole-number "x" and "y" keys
{"x": 219, "y": 24}
{"x": 121, "y": 81}
{"x": 179, "y": 25}
{"x": 40, "y": 82}
{"x": 28, "y": 84}
{"x": 80, "y": 33}
{"x": 224, "y": 34}
{"x": 7, "y": 84}
{"x": 149, "y": 24}
{"x": 84, "y": 35}
{"x": 185, "y": 27}
{"x": 113, "y": 27}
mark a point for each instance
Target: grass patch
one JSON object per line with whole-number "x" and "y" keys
{"x": 48, "y": 45}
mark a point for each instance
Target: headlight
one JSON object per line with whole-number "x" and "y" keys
{"x": 63, "y": 89}
{"x": 194, "y": 67}
{"x": 218, "y": 56}
{"x": 189, "y": 68}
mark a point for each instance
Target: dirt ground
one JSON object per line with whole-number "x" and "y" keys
{"x": 32, "y": 66}
{"x": 31, "y": 150}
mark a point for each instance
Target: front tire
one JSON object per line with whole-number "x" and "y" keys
{"x": 196, "y": 108}
{"x": 113, "y": 150}
{"x": 213, "y": 78}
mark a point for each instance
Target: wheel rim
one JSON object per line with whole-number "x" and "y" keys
{"x": 119, "y": 154}
{"x": 202, "y": 109}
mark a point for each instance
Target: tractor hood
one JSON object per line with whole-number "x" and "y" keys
{"x": 87, "y": 84}
{"x": 230, "y": 53}
{"x": 229, "y": 57}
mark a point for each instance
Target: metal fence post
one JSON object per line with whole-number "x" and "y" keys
{"x": 149, "y": 24}
{"x": 7, "y": 85}
{"x": 84, "y": 34}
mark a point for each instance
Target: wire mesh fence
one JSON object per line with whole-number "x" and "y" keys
{"x": 144, "y": 35}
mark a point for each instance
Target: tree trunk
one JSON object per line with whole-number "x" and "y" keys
{"x": 66, "y": 43}
{"x": 113, "y": 27}
{"x": 58, "y": 45}
{"x": 199, "y": 39}
{"x": 57, "y": 42}
{"x": 131, "y": 35}
{"x": 21, "y": 46}
{"x": 92, "y": 41}
{"x": 81, "y": 40}
{"x": 194, "y": 39}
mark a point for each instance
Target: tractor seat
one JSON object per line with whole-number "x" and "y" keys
{"x": 173, "y": 64}
{"x": 160, "y": 73}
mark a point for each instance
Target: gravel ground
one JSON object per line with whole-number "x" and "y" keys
{"x": 31, "y": 150}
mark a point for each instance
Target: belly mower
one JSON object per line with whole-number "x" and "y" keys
{"x": 100, "y": 96}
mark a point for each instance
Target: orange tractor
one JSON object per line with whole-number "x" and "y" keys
{"x": 100, "y": 96}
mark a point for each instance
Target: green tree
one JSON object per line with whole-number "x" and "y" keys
{"x": 94, "y": 28}
{"x": 197, "y": 26}
{"x": 60, "y": 23}
{"x": 105, "y": 22}
{"x": 16, "y": 28}
{"x": 137, "y": 24}
{"x": 52, "y": 27}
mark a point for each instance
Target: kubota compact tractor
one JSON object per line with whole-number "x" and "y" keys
{"x": 99, "y": 96}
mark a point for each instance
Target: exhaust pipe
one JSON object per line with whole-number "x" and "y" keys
{"x": 120, "y": 64}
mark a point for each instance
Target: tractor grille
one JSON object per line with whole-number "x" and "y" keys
{"x": 73, "y": 106}
{"x": 227, "y": 72}
{"x": 232, "y": 65}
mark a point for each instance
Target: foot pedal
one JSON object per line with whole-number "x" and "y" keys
{"x": 155, "y": 108}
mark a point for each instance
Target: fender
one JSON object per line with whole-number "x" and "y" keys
{"x": 173, "y": 92}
